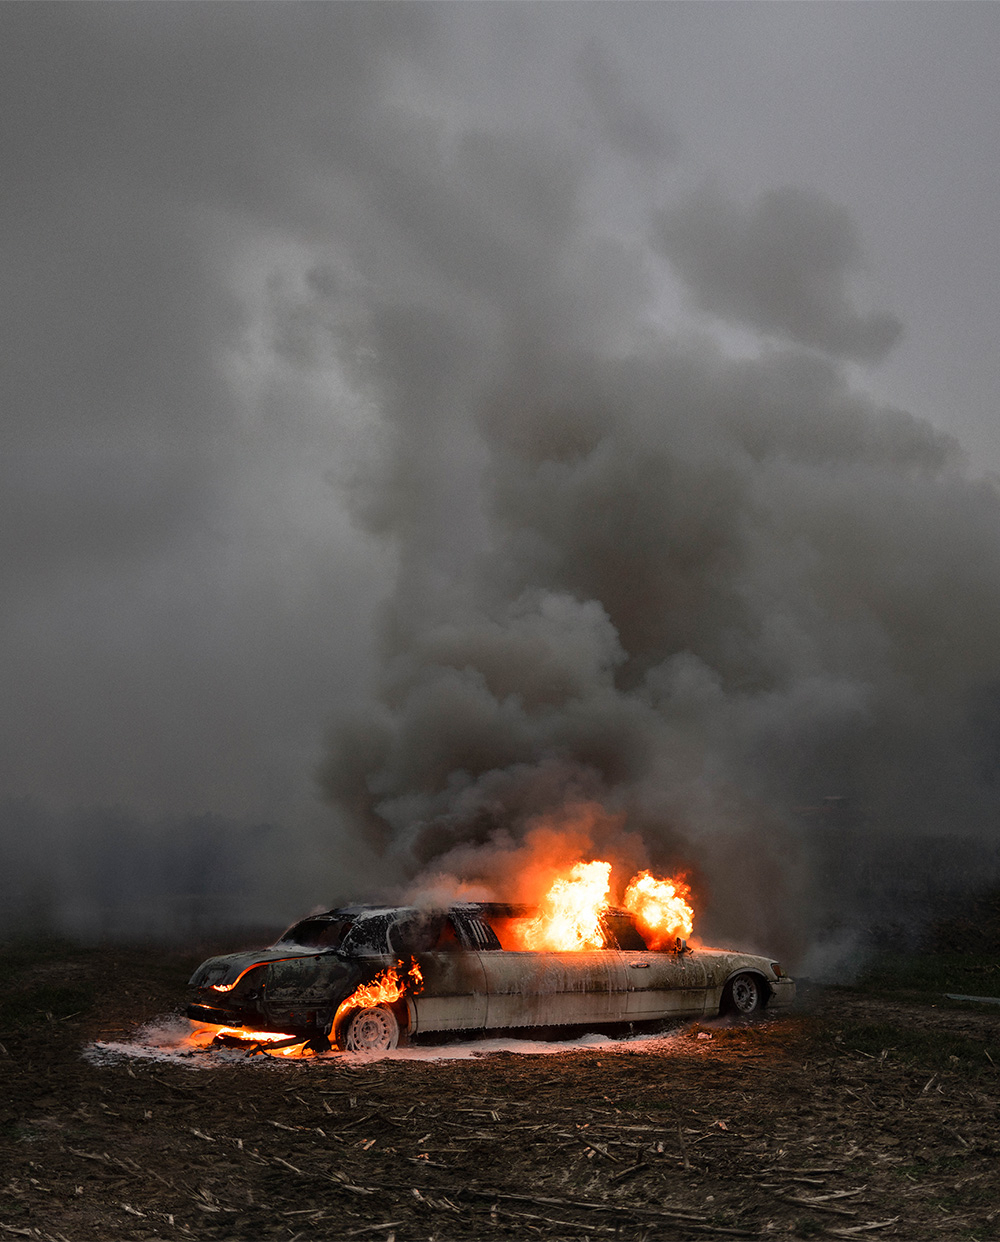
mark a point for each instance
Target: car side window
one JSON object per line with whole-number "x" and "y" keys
{"x": 474, "y": 932}
{"x": 448, "y": 941}
{"x": 518, "y": 933}
{"x": 510, "y": 931}
{"x": 624, "y": 932}
{"x": 415, "y": 933}
{"x": 368, "y": 937}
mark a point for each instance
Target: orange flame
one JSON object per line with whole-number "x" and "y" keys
{"x": 661, "y": 909}
{"x": 385, "y": 989}
{"x": 264, "y": 1038}
{"x": 571, "y": 912}
{"x": 228, "y": 987}
{"x": 570, "y": 917}
{"x": 206, "y": 1037}
{"x": 255, "y": 1037}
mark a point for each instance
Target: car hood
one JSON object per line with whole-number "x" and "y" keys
{"x": 224, "y": 971}
{"x": 721, "y": 963}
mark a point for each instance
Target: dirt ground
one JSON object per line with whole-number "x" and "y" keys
{"x": 799, "y": 1127}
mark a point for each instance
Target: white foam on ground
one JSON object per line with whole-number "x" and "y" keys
{"x": 177, "y": 1041}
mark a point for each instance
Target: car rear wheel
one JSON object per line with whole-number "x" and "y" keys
{"x": 370, "y": 1030}
{"x": 744, "y": 996}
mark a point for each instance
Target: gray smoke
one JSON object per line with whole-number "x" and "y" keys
{"x": 708, "y": 593}
{"x": 780, "y": 265}
{"x": 713, "y": 592}
{"x": 651, "y": 557}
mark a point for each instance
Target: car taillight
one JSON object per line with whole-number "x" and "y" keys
{"x": 777, "y": 969}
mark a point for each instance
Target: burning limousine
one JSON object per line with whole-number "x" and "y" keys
{"x": 365, "y": 978}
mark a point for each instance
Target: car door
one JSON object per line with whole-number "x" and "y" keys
{"x": 663, "y": 985}
{"x": 554, "y": 989}
{"x": 452, "y": 995}
{"x": 528, "y": 988}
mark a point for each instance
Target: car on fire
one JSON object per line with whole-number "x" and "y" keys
{"x": 365, "y": 978}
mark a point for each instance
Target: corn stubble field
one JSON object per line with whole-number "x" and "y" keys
{"x": 869, "y": 1112}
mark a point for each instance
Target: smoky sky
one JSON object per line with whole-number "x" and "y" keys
{"x": 418, "y": 418}
{"x": 779, "y": 266}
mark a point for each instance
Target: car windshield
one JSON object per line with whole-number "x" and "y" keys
{"x": 318, "y": 933}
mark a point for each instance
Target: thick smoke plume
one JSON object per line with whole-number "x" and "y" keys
{"x": 719, "y": 593}
{"x": 661, "y": 579}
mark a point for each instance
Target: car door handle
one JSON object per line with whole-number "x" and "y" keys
{"x": 639, "y": 965}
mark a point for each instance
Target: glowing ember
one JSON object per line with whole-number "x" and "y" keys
{"x": 228, "y": 987}
{"x": 256, "y": 1037}
{"x": 273, "y": 1043}
{"x": 661, "y": 910}
{"x": 570, "y": 917}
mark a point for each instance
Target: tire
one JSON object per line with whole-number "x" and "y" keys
{"x": 370, "y": 1030}
{"x": 744, "y": 996}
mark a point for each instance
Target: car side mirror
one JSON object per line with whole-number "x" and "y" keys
{"x": 681, "y": 947}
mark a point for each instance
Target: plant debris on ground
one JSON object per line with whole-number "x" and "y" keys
{"x": 858, "y": 1115}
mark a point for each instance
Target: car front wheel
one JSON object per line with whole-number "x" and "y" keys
{"x": 370, "y": 1030}
{"x": 744, "y": 996}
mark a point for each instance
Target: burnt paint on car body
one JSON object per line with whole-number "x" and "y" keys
{"x": 470, "y": 982}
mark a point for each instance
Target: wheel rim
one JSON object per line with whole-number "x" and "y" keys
{"x": 372, "y": 1030}
{"x": 745, "y": 994}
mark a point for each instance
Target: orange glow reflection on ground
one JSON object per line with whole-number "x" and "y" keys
{"x": 661, "y": 909}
